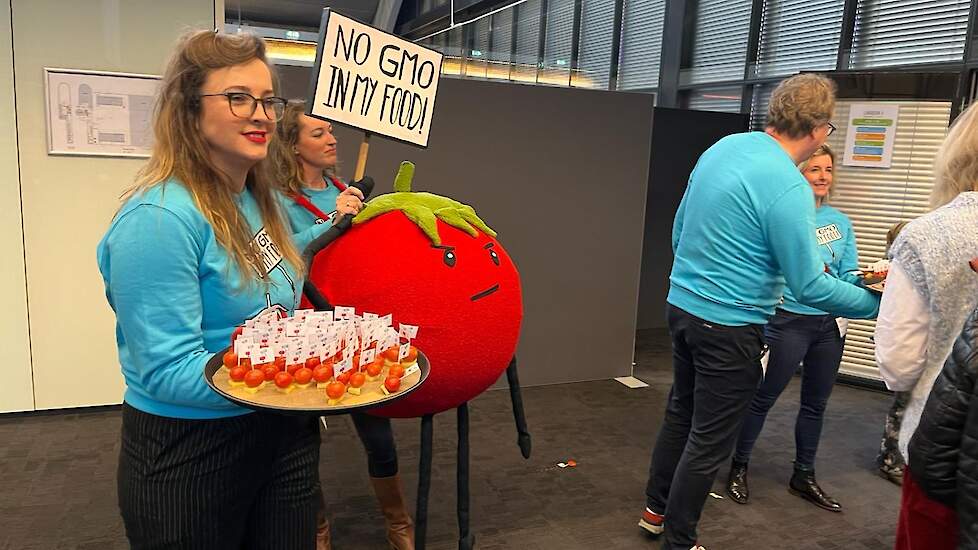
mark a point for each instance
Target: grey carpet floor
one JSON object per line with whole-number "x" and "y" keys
{"x": 57, "y": 474}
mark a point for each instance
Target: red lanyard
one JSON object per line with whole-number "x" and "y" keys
{"x": 304, "y": 202}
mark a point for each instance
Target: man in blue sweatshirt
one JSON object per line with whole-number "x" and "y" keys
{"x": 743, "y": 233}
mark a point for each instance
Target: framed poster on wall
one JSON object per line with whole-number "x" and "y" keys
{"x": 871, "y": 135}
{"x": 94, "y": 113}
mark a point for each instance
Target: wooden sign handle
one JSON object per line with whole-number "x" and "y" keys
{"x": 362, "y": 157}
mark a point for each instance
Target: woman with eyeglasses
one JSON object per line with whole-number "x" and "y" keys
{"x": 305, "y": 155}
{"x": 198, "y": 247}
{"x": 800, "y": 334}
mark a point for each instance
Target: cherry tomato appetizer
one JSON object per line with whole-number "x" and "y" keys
{"x": 336, "y": 390}
{"x": 322, "y": 373}
{"x": 396, "y": 371}
{"x": 373, "y": 369}
{"x": 303, "y": 376}
{"x": 238, "y": 373}
{"x": 283, "y": 380}
{"x": 270, "y": 371}
{"x": 254, "y": 378}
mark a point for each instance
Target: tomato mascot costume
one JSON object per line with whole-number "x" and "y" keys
{"x": 431, "y": 262}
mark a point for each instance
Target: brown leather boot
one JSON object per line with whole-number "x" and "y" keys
{"x": 322, "y": 531}
{"x": 400, "y": 527}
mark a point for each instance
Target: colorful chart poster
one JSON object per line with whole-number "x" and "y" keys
{"x": 872, "y": 132}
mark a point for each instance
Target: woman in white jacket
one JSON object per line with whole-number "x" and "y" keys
{"x": 932, "y": 286}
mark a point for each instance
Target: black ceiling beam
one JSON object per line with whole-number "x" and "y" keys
{"x": 440, "y": 18}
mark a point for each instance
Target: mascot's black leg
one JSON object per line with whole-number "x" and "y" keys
{"x": 466, "y": 540}
{"x": 517, "y": 398}
{"x": 424, "y": 483}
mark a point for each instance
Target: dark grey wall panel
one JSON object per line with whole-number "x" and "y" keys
{"x": 561, "y": 174}
{"x": 680, "y": 138}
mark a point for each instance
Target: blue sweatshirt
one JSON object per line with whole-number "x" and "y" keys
{"x": 746, "y": 228}
{"x": 837, "y": 247}
{"x": 177, "y": 298}
{"x": 323, "y": 199}
{"x": 306, "y": 226}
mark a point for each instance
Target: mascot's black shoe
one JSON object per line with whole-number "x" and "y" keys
{"x": 737, "y": 488}
{"x": 803, "y": 484}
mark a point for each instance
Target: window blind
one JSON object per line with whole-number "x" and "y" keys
{"x": 594, "y": 51}
{"x": 798, "y": 35}
{"x": 641, "y": 44}
{"x": 907, "y": 32}
{"x": 876, "y": 199}
{"x": 558, "y": 43}
{"x": 719, "y": 42}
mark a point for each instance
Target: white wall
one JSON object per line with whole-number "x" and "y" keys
{"x": 69, "y": 201}
{"x": 16, "y": 390}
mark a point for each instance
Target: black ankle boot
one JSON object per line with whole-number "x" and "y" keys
{"x": 737, "y": 488}
{"x": 803, "y": 484}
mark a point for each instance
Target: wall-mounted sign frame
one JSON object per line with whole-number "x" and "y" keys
{"x": 98, "y": 113}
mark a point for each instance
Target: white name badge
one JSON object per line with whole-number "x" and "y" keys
{"x": 827, "y": 234}
{"x": 271, "y": 256}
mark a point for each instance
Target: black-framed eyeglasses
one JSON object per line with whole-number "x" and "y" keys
{"x": 243, "y": 105}
{"x": 832, "y": 129}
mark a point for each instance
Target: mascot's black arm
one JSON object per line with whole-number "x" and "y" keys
{"x": 316, "y": 298}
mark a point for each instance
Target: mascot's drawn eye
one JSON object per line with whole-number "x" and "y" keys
{"x": 449, "y": 258}
{"x": 494, "y": 256}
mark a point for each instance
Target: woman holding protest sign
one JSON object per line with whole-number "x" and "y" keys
{"x": 183, "y": 266}
{"x": 306, "y": 161}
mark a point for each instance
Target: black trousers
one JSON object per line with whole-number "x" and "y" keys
{"x": 240, "y": 483}
{"x": 377, "y": 437}
{"x": 716, "y": 372}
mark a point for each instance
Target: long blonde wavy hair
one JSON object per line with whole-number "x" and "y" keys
{"x": 287, "y": 164}
{"x": 956, "y": 165}
{"x": 180, "y": 151}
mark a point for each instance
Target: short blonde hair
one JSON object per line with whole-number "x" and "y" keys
{"x": 800, "y": 104}
{"x": 956, "y": 165}
{"x": 823, "y": 150}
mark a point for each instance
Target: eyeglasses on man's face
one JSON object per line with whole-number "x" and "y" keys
{"x": 243, "y": 105}
{"x": 831, "y": 129}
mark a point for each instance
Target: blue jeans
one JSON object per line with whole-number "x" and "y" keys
{"x": 814, "y": 341}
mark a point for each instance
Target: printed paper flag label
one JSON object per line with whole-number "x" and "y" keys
{"x": 408, "y": 331}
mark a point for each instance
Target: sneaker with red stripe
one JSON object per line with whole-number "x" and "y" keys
{"x": 652, "y": 522}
